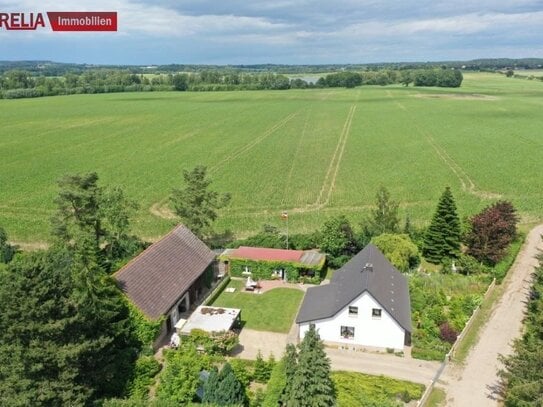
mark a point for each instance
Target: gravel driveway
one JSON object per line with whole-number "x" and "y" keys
{"x": 405, "y": 368}
{"x": 475, "y": 383}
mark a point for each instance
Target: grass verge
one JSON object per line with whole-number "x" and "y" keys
{"x": 437, "y": 398}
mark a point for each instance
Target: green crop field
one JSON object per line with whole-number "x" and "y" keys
{"x": 315, "y": 153}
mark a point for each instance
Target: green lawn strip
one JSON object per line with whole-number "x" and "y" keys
{"x": 359, "y": 389}
{"x": 437, "y": 398}
{"x": 272, "y": 311}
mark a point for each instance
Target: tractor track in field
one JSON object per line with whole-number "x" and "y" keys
{"x": 335, "y": 162}
{"x": 249, "y": 146}
{"x": 331, "y": 173}
{"x": 298, "y": 148}
{"x": 161, "y": 210}
{"x": 466, "y": 182}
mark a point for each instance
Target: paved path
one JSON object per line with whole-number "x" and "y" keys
{"x": 250, "y": 342}
{"x": 406, "y": 368}
{"x": 474, "y": 384}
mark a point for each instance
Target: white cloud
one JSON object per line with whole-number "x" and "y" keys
{"x": 342, "y": 30}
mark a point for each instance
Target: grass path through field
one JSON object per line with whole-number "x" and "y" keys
{"x": 476, "y": 382}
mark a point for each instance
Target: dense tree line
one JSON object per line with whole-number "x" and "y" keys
{"x": 22, "y": 84}
{"x": 440, "y": 77}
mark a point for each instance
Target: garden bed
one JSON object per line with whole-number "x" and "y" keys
{"x": 359, "y": 389}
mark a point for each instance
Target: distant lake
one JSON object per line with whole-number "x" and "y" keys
{"x": 308, "y": 78}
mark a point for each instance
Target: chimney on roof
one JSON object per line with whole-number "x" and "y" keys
{"x": 368, "y": 267}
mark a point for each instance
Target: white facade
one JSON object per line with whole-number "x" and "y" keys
{"x": 369, "y": 329}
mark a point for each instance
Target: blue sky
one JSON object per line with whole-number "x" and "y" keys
{"x": 285, "y": 31}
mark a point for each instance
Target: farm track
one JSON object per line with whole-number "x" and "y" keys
{"x": 332, "y": 172}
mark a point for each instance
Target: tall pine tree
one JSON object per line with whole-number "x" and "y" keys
{"x": 311, "y": 385}
{"x": 442, "y": 240}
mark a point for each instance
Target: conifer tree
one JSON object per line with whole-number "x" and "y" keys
{"x": 312, "y": 385}
{"x": 230, "y": 390}
{"x": 442, "y": 240}
{"x": 224, "y": 389}
{"x": 65, "y": 337}
{"x": 6, "y": 250}
{"x": 211, "y": 386}
{"x": 291, "y": 362}
{"x": 260, "y": 369}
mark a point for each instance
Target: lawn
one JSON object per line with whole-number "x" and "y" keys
{"x": 272, "y": 311}
{"x": 315, "y": 152}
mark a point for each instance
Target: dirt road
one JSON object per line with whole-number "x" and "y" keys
{"x": 474, "y": 384}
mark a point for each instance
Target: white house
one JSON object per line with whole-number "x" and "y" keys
{"x": 366, "y": 304}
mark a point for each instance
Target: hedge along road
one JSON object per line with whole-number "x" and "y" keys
{"x": 476, "y": 383}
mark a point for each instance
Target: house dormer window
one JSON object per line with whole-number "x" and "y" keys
{"x": 376, "y": 313}
{"x": 353, "y": 311}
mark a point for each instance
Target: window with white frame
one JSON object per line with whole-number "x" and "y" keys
{"x": 353, "y": 311}
{"x": 376, "y": 313}
{"x": 347, "y": 332}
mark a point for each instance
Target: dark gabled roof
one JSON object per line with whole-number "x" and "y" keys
{"x": 155, "y": 280}
{"x": 384, "y": 283}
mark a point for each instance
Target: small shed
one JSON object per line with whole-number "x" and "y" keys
{"x": 265, "y": 263}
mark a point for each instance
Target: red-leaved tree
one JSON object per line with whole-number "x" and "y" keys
{"x": 491, "y": 232}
